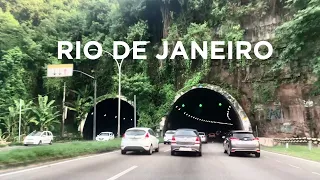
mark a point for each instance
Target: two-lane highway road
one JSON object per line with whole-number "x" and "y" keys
{"x": 213, "y": 164}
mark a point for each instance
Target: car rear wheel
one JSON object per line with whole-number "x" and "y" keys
{"x": 229, "y": 152}
{"x": 150, "y": 150}
{"x": 50, "y": 143}
{"x": 157, "y": 150}
{"x": 123, "y": 152}
{"x": 40, "y": 142}
{"x": 173, "y": 153}
{"x": 199, "y": 153}
{"x": 225, "y": 151}
{"x": 257, "y": 155}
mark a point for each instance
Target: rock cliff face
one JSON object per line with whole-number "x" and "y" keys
{"x": 278, "y": 105}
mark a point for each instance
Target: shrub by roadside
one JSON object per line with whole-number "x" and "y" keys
{"x": 44, "y": 153}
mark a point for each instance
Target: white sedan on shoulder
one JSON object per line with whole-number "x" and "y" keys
{"x": 105, "y": 136}
{"x": 38, "y": 137}
{"x": 139, "y": 140}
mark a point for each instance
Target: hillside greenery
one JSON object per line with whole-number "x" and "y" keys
{"x": 30, "y": 30}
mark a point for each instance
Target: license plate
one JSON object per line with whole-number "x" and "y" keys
{"x": 185, "y": 149}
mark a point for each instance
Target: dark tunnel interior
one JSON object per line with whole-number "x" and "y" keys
{"x": 107, "y": 118}
{"x": 205, "y": 110}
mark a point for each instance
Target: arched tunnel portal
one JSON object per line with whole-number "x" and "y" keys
{"x": 207, "y": 108}
{"x": 107, "y": 117}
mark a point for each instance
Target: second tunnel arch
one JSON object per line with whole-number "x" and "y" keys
{"x": 107, "y": 120}
{"x": 200, "y": 91}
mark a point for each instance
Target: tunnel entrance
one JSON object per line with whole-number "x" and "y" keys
{"x": 207, "y": 109}
{"x": 107, "y": 118}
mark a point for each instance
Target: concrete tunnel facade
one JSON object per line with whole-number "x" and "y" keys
{"x": 107, "y": 117}
{"x": 207, "y": 108}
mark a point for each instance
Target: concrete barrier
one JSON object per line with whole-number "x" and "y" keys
{"x": 267, "y": 141}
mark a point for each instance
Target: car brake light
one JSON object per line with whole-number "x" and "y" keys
{"x": 197, "y": 140}
{"x": 173, "y": 140}
{"x": 256, "y": 139}
{"x": 234, "y": 139}
{"x": 147, "y": 135}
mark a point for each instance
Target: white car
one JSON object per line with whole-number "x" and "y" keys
{"x": 38, "y": 137}
{"x": 105, "y": 136}
{"x": 139, "y": 140}
{"x": 203, "y": 137}
{"x": 168, "y": 136}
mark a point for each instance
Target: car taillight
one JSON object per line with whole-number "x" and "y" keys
{"x": 256, "y": 139}
{"x": 197, "y": 140}
{"x": 173, "y": 140}
{"x": 124, "y": 135}
{"x": 234, "y": 139}
{"x": 147, "y": 135}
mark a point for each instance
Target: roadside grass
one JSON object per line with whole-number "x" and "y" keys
{"x": 36, "y": 154}
{"x": 297, "y": 151}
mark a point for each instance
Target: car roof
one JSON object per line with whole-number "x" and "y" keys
{"x": 240, "y": 131}
{"x": 186, "y": 129}
{"x": 107, "y": 132}
{"x": 170, "y": 130}
{"x": 139, "y": 128}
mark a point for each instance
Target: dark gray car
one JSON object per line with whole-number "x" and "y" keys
{"x": 186, "y": 140}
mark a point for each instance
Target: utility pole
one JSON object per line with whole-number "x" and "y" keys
{"x": 135, "y": 111}
{"x": 63, "y": 109}
{"x": 95, "y": 109}
{"x": 19, "y": 119}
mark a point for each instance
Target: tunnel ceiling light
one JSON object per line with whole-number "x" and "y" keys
{"x": 115, "y": 117}
{"x": 105, "y": 115}
{"x": 179, "y": 109}
{"x": 200, "y": 105}
{"x": 183, "y": 105}
{"x": 92, "y": 113}
{"x": 220, "y": 104}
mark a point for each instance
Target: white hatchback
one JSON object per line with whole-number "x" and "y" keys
{"x": 38, "y": 137}
{"x": 139, "y": 140}
{"x": 105, "y": 136}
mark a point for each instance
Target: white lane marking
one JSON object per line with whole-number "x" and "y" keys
{"x": 292, "y": 157}
{"x": 316, "y": 173}
{"x": 122, "y": 173}
{"x": 167, "y": 150}
{"x": 294, "y": 166}
{"x": 54, "y": 164}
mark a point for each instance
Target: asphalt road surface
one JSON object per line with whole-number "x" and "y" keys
{"x": 213, "y": 164}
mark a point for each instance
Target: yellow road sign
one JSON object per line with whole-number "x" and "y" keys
{"x": 60, "y": 70}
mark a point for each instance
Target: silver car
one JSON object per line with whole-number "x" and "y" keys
{"x": 186, "y": 140}
{"x": 168, "y": 136}
{"x": 203, "y": 137}
{"x": 241, "y": 141}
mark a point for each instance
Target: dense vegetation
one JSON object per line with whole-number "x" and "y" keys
{"x": 30, "y": 29}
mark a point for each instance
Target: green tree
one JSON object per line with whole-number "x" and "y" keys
{"x": 45, "y": 113}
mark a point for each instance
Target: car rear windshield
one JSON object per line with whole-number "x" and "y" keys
{"x": 243, "y": 135}
{"x": 104, "y": 134}
{"x": 201, "y": 133}
{"x": 36, "y": 133}
{"x": 135, "y": 132}
{"x": 170, "y": 132}
{"x": 185, "y": 133}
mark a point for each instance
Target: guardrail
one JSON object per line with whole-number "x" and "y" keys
{"x": 309, "y": 141}
{"x": 298, "y": 140}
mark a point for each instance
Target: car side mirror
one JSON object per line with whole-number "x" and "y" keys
{"x": 223, "y": 137}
